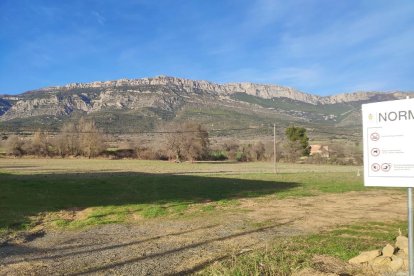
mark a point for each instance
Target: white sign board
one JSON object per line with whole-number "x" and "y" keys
{"x": 388, "y": 135}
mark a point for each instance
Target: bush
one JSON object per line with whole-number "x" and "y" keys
{"x": 15, "y": 146}
{"x": 39, "y": 145}
{"x": 218, "y": 156}
{"x": 146, "y": 153}
{"x": 188, "y": 141}
{"x": 232, "y": 148}
{"x": 241, "y": 156}
{"x": 120, "y": 153}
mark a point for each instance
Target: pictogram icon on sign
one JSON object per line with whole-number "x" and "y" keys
{"x": 374, "y": 136}
{"x": 375, "y": 167}
{"x": 375, "y": 152}
{"x": 386, "y": 167}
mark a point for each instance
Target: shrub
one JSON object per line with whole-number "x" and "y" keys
{"x": 15, "y": 146}
{"x": 218, "y": 156}
{"x": 188, "y": 141}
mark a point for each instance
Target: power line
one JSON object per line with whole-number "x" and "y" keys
{"x": 338, "y": 134}
{"x": 28, "y": 132}
{"x": 269, "y": 128}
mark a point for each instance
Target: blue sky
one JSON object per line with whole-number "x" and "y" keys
{"x": 317, "y": 46}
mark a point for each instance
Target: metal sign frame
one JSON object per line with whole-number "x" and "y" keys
{"x": 377, "y": 119}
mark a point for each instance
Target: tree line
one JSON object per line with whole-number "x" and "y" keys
{"x": 187, "y": 141}
{"x": 82, "y": 138}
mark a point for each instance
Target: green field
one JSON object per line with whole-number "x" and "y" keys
{"x": 118, "y": 191}
{"x": 66, "y": 194}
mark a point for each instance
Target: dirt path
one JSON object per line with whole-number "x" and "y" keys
{"x": 180, "y": 246}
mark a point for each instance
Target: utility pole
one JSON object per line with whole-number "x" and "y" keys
{"x": 274, "y": 148}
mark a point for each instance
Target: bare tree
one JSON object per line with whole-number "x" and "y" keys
{"x": 188, "y": 141}
{"x": 258, "y": 151}
{"x": 67, "y": 142}
{"x": 15, "y": 146}
{"x": 232, "y": 147}
{"x": 83, "y": 138}
{"x": 174, "y": 142}
{"x": 39, "y": 145}
{"x": 90, "y": 138}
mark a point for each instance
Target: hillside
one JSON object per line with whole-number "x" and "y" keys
{"x": 147, "y": 104}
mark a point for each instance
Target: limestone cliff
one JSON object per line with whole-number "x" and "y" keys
{"x": 167, "y": 94}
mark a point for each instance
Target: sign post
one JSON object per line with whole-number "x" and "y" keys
{"x": 388, "y": 138}
{"x": 410, "y": 231}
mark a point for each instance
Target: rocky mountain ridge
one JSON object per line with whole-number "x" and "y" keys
{"x": 163, "y": 98}
{"x": 266, "y": 91}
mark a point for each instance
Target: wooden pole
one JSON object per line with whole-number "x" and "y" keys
{"x": 274, "y": 148}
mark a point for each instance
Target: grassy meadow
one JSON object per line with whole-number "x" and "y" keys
{"x": 108, "y": 191}
{"x": 77, "y": 193}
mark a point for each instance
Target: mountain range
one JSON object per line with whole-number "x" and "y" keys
{"x": 148, "y": 104}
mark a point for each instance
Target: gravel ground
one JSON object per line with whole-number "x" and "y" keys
{"x": 169, "y": 246}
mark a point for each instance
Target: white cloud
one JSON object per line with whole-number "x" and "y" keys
{"x": 345, "y": 33}
{"x": 287, "y": 76}
{"x": 99, "y": 18}
{"x": 265, "y": 12}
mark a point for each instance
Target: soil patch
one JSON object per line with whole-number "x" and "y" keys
{"x": 167, "y": 246}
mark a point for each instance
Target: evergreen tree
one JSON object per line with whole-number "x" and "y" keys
{"x": 297, "y": 141}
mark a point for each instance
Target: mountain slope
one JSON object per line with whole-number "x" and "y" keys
{"x": 145, "y": 104}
